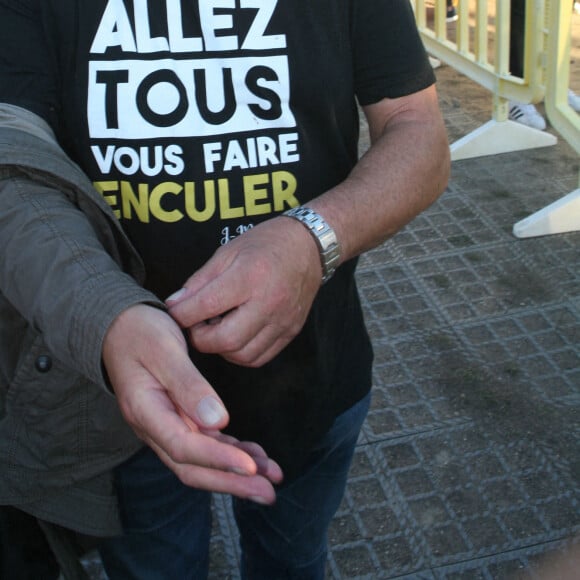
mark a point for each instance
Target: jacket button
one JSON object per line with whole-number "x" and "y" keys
{"x": 43, "y": 363}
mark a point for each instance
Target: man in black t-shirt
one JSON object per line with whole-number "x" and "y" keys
{"x": 222, "y": 135}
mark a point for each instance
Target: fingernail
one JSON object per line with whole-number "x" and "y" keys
{"x": 240, "y": 471}
{"x": 176, "y": 295}
{"x": 260, "y": 500}
{"x": 211, "y": 411}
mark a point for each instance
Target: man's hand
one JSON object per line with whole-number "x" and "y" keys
{"x": 176, "y": 412}
{"x": 253, "y": 296}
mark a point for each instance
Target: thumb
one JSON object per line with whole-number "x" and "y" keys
{"x": 212, "y": 269}
{"x": 145, "y": 350}
{"x": 193, "y": 397}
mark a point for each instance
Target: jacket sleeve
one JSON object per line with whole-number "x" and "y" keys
{"x": 54, "y": 267}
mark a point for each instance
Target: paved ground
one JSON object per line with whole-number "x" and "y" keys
{"x": 469, "y": 463}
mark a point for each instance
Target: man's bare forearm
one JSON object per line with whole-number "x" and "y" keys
{"x": 405, "y": 170}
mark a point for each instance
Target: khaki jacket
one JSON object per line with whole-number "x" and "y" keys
{"x": 66, "y": 271}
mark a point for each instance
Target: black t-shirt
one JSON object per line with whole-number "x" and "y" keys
{"x": 198, "y": 119}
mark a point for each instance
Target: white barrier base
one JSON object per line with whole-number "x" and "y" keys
{"x": 558, "y": 217}
{"x": 435, "y": 62}
{"x": 500, "y": 137}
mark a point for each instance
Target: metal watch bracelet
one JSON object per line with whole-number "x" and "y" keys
{"x": 324, "y": 235}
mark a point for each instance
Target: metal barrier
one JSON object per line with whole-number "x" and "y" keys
{"x": 478, "y": 47}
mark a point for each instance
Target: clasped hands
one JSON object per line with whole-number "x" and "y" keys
{"x": 245, "y": 304}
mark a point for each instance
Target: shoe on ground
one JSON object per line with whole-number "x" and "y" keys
{"x": 574, "y": 99}
{"x": 451, "y": 14}
{"x": 526, "y": 114}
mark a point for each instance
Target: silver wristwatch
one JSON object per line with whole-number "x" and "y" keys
{"x": 323, "y": 234}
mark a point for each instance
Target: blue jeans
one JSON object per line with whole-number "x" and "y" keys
{"x": 168, "y": 525}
